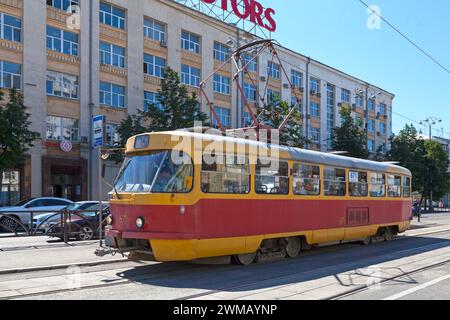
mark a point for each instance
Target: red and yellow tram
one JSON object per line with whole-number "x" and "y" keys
{"x": 182, "y": 196}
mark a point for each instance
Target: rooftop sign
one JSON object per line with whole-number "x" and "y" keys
{"x": 250, "y": 15}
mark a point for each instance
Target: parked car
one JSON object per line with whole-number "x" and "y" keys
{"x": 42, "y": 221}
{"x": 22, "y": 210}
{"x": 83, "y": 226}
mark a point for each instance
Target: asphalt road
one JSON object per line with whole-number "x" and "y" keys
{"x": 411, "y": 267}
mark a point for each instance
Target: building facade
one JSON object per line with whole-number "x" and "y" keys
{"x": 107, "y": 59}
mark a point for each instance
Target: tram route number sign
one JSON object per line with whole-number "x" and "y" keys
{"x": 97, "y": 134}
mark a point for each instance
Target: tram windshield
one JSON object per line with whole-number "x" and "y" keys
{"x": 157, "y": 172}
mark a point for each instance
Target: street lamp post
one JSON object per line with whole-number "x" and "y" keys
{"x": 431, "y": 121}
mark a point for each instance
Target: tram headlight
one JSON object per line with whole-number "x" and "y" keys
{"x": 140, "y": 222}
{"x": 109, "y": 220}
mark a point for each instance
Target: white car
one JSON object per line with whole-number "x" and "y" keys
{"x": 42, "y": 221}
{"x": 23, "y": 210}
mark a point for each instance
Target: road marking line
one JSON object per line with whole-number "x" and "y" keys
{"x": 418, "y": 288}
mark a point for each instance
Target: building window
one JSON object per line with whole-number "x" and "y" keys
{"x": 154, "y": 30}
{"x": 190, "y": 42}
{"x": 224, "y": 116}
{"x": 190, "y": 75}
{"x": 273, "y": 96}
{"x": 10, "y": 28}
{"x": 250, "y": 92}
{"x": 382, "y": 108}
{"x": 62, "y": 41}
{"x": 296, "y": 79}
{"x": 359, "y": 101}
{"x": 112, "y": 137}
{"x": 62, "y": 129}
{"x": 10, "y": 75}
{"x": 273, "y": 70}
{"x": 315, "y": 85}
{"x": 371, "y": 105}
{"x": 383, "y": 128}
{"x": 9, "y": 188}
{"x": 111, "y": 54}
{"x": 225, "y": 175}
{"x": 247, "y": 119}
{"x": 112, "y": 95}
{"x": 112, "y": 16}
{"x": 151, "y": 98}
{"x": 371, "y": 125}
{"x": 251, "y": 62}
{"x": 221, "y": 52}
{"x": 221, "y": 84}
{"x": 370, "y": 145}
{"x": 345, "y": 95}
{"x": 154, "y": 66}
{"x": 62, "y": 4}
{"x": 315, "y": 135}
{"x": 314, "y": 109}
{"x": 62, "y": 85}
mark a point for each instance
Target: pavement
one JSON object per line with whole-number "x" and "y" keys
{"x": 414, "y": 265}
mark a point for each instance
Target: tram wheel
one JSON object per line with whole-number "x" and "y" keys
{"x": 293, "y": 247}
{"x": 386, "y": 234}
{"x": 244, "y": 259}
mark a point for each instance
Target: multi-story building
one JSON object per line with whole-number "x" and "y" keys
{"x": 108, "y": 60}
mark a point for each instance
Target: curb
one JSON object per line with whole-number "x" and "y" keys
{"x": 61, "y": 266}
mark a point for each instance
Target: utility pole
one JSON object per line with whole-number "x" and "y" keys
{"x": 431, "y": 121}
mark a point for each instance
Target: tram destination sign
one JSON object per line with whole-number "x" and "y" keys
{"x": 260, "y": 20}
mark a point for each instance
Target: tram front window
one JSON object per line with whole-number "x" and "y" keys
{"x": 157, "y": 172}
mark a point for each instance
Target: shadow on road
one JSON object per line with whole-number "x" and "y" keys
{"x": 312, "y": 265}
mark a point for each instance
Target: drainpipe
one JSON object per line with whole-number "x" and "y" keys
{"x": 307, "y": 103}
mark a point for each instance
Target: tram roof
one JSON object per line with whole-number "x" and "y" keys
{"x": 303, "y": 155}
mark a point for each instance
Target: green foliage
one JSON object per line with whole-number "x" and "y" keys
{"x": 180, "y": 110}
{"x": 349, "y": 137}
{"x": 427, "y": 161}
{"x": 15, "y": 137}
{"x": 275, "y": 113}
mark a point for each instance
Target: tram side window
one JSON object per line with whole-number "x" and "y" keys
{"x": 306, "y": 180}
{"x": 357, "y": 184}
{"x": 272, "y": 177}
{"x": 406, "y": 187}
{"x": 334, "y": 182}
{"x": 394, "y": 186}
{"x": 377, "y": 185}
{"x": 225, "y": 174}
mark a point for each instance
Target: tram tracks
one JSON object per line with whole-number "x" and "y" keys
{"x": 141, "y": 275}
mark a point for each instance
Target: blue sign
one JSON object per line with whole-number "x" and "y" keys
{"x": 97, "y": 134}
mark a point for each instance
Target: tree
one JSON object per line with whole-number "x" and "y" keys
{"x": 15, "y": 137}
{"x": 438, "y": 164}
{"x": 275, "y": 113}
{"x": 176, "y": 108}
{"x": 427, "y": 161}
{"x": 349, "y": 137}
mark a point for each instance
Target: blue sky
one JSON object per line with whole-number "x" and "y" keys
{"x": 335, "y": 32}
